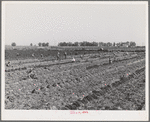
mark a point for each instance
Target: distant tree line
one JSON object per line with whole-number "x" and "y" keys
{"x": 120, "y": 44}
{"x": 84, "y": 43}
{"x": 13, "y": 44}
{"x": 43, "y": 44}
{"x": 108, "y": 44}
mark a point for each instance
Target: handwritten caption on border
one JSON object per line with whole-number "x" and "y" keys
{"x": 79, "y": 112}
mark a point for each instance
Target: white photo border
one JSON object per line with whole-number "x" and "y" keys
{"x": 92, "y": 115}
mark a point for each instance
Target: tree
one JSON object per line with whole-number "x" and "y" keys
{"x": 101, "y": 44}
{"x": 69, "y": 44}
{"x": 104, "y": 44}
{"x": 13, "y": 44}
{"x": 31, "y": 44}
{"x": 43, "y": 44}
{"x": 118, "y": 44}
{"x": 128, "y": 43}
{"x": 132, "y": 44}
{"x": 40, "y": 44}
{"x": 47, "y": 44}
{"x": 76, "y": 44}
{"x": 94, "y": 44}
{"x": 109, "y": 44}
{"x": 121, "y": 44}
{"x": 62, "y": 44}
{"x": 83, "y": 43}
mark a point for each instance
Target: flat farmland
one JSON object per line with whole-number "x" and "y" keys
{"x": 49, "y": 53}
{"x": 89, "y": 83}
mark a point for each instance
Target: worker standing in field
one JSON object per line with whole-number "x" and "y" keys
{"x": 81, "y": 56}
{"x": 41, "y": 55}
{"x": 58, "y": 56}
{"x": 114, "y": 56}
{"x": 110, "y": 61}
{"x": 65, "y": 54}
{"x": 33, "y": 55}
{"x": 17, "y": 55}
{"x": 73, "y": 59}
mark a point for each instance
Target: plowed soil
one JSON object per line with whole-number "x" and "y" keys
{"x": 91, "y": 83}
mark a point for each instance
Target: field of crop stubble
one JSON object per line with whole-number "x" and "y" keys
{"x": 91, "y": 83}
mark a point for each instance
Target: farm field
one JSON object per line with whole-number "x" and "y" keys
{"x": 91, "y": 83}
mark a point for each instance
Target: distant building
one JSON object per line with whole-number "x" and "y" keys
{"x": 115, "y": 45}
{"x": 124, "y": 45}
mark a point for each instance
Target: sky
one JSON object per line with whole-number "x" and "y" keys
{"x": 27, "y": 23}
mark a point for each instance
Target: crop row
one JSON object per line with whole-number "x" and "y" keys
{"x": 46, "y": 64}
{"x": 101, "y": 72}
{"x": 58, "y": 83}
{"x": 39, "y": 63}
{"x": 96, "y": 94}
{"x": 101, "y": 55}
{"x": 80, "y": 83}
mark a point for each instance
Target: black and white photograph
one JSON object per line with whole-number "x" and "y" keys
{"x": 75, "y": 60}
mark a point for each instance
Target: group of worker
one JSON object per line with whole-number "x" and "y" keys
{"x": 65, "y": 55}
{"x": 57, "y": 56}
